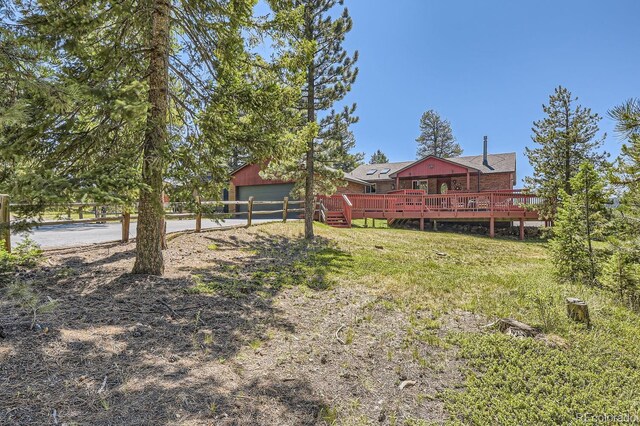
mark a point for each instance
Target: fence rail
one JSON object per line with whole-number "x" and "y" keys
{"x": 124, "y": 217}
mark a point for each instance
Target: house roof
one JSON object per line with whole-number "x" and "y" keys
{"x": 360, "y": 172}
{"x": 350, "y": 177}
{"x": 497, "y": 163}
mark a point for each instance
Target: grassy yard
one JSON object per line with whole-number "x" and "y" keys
{"x": 507, "y": 380}
{"x": 364, "y": 326}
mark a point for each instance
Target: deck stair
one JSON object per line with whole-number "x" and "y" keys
{"x": 337, "y": 219}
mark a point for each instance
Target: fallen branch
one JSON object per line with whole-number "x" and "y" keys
{"x": 338, "y": 335}
{"x": 104, "y": 385}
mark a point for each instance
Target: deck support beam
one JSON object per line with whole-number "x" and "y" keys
{"x": 422, "y": 223}
{"x": 435, "y": 225}
{"x": 492, "y": 227}
{"x": 522, "y": 229}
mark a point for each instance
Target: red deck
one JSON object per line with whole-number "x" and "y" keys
{"x": 415, "y": 204}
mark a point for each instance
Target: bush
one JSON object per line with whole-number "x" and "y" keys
{"x": 25, "y": 255}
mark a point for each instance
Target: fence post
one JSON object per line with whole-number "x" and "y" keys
{"x": 249, "y": 211}
{"x": 285, "y": 208}
{"x": 80, "y": 213}
{"x": 5, "y": 222}
{"x": 199, "y": 222}
{"x": 126, "y": 224}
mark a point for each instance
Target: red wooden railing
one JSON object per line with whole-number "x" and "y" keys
{"x": 484, "y": 203}
{"x": 347, "y": 209}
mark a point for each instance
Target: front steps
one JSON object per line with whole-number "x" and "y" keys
{"x": 336, "y": 219}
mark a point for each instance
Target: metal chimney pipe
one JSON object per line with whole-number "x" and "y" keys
{"x": 484, "y": 152}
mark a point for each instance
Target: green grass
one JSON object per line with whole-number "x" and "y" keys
{"x": 507, "y": 380}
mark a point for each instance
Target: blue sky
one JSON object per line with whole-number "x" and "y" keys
{"x": 487, "y": 66}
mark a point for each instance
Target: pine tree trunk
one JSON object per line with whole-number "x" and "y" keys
{"x": 150, "y": 217}
{"x": 309, "y": 199}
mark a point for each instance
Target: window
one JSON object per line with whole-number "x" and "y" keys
{"x": 371, "y": 172}
{"x": 371, "y": 189}
{"x": 421, "y": 184}
{"x": 384, "y": 171}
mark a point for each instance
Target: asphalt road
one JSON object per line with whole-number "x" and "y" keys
{"x": 92, "y": 233}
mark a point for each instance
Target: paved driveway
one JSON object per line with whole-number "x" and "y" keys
{"x": 91, "y": 233}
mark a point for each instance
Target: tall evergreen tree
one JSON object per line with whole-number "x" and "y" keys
{"x": 330, "y": 73}
{"x": 581, "y": 219}
{"x": 129, "y": 86}
{"x": 566, "y": 137}
{"x": 436, "y": 137}
{"x": 378, "y": 157}
{"x": 623, "y": 268}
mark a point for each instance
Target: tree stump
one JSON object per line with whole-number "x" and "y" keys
{"x": 578, "y": 310}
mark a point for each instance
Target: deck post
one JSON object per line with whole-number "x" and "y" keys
{"x": 522, "y": 229}
{"x": 5, "y": 222}
{"x": 435, "y": 225}
{"x": 422, "y": 223}
{"x": 366, "y": 225}
{"x": 492, "y": 227}
{"x": 374, "y": 222}
{"x": 468, "y": 181}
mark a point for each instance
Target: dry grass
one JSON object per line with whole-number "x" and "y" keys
{"x": 258, "y": 327}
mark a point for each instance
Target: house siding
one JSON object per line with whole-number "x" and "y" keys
{"x": 431, "y": 167}
{"x": 496, "y": 181}
{"x": 351, "y": 188}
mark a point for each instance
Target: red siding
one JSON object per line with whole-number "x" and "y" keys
{"x": 432, "y": 166}
{"x": 496, "y": 181}
{"x": 351, "y": 188}
{"x": 249, "y": 175}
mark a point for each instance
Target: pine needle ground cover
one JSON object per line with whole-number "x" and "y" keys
{"x": 363, "y": 326}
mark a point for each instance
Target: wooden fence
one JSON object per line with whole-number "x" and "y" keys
{"x": 125, "y": 217}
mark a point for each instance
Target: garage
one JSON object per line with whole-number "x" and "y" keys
{"x": 273, "y": 192}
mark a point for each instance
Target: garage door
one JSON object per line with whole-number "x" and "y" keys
{"x": 266, "y": 193}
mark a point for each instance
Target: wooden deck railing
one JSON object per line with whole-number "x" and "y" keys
{"x": 483, "y": 203}
{"x": 347, "y": 209}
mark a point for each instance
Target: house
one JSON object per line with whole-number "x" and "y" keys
{"x": 486, "y": 172}
{"x": 246, "y": 182}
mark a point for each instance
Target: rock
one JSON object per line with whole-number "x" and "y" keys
{"x": 379, "y": 247}
{"x": 406, "y": 383}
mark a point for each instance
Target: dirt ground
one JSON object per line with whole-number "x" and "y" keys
{"x": 245, "y": 328}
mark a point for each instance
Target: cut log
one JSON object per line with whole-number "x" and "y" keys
{"x": 578, "y": 310}
{"x": 515, "y": 328}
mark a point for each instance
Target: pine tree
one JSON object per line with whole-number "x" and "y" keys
{"x": 436, "y": 137}
{"x": 622, "y": 271}
{"x": 581, "y": 219}
{"x": 378, "y": 157}
{"x": 566, "y": 138}
{"x": 135, "y": 90}
{"x": 330, "y": 72}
